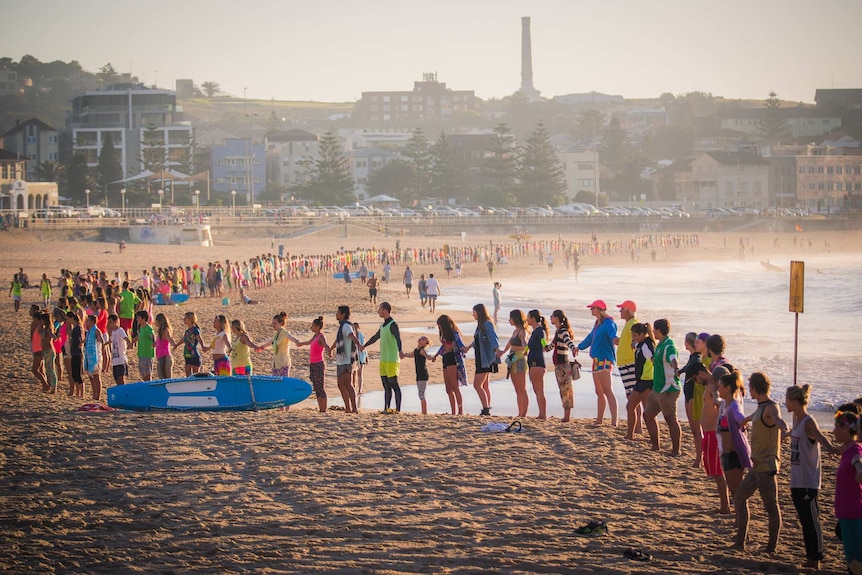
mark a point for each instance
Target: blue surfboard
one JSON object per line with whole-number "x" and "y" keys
{"x": 209, "y": 393}
{"x": 354, "y": 275}
{"x": 174, "y": 298}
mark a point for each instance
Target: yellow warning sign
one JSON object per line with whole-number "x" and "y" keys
{"x": 797, "y": 286}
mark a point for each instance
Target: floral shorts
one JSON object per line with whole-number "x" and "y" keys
{"x": 563, "y": 372}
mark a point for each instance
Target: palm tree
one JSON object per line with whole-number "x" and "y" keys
{"x": 49, "y": 171}
{"x": 210, "y": 88}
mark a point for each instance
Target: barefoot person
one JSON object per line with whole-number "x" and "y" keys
{"x": 693, "y": 394}
{"x": 601, "y": 343}
{"x": 766, "y": 428}
{"x": 343, "y": 346}
{"x": 390, "y": 356}
{"x": 626, "y": 357}
{"x": 420, "y": 358}
{"x": 735, "y": 452}
{"x": 451, "y": 348}
{"x": 709, "y": 441}
{"x": 644, "y": 342}
{"x": 536, "y": 348}
{"x": 563, "y": 347}
{"x": 805, "y": 471}
{"x": 316, "y": 365}
{"x": 665, "y": 389}
{"x": 517, "y": 360}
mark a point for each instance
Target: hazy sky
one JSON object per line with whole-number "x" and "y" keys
{"x": 333, "y": 50}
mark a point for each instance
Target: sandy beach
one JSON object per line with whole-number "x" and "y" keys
{"x": 300, "y": 491}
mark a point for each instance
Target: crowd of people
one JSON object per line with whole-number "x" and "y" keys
{"x": 98, "y": 320}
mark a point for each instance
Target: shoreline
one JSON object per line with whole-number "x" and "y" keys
{"x": 299, "y": 491}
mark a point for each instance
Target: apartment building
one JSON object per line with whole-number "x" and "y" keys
{"x": 35, "y": 141}
{"x": 136, "y": 117}
{"x": 429, "y": 100}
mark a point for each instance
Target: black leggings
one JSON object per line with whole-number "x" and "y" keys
{"x": 390, "y": 386}
{"x": 808, "y": 511}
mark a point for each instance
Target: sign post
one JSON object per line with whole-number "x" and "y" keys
{"x": 797, "y": 305}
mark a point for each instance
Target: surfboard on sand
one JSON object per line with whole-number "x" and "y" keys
{"x": 174, "y": 298}
{"x": 353, "y": 275}
{"x": 209, "y": 393}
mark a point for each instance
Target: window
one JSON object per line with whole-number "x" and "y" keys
{"x": 31, "y": 139}
{"x": 586, "y": 183}
{"x": 829, "y": 170}
{"x": 52, "y": 139}
{"x": 404, "y": 98}
{"x": 385, "y": 98}
{"x": 585, "y": 166}
{"x": 839, "y": 186}
{"x": 361, "y": 163}
{"x": 404, "y": 107}
{"x": 838, "y": 170}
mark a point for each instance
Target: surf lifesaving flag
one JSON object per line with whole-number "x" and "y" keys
{"x": 798, "y": 228}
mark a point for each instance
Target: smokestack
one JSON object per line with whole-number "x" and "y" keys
{"x": 527, "y": 88}
{"x": 526, "y": 57}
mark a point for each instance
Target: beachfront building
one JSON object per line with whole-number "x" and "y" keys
{"x": 582, "y": 173}
{"x": 826, "y": 183}
{"x": 725, "y": 180}
{"x": 33, "y": 140}
{"x": 429, "y": 100}
{"x": 364, "y": 162}
{"x": 137, "y": 118}
{"x": 799, "y": 122}
{"x": 239, "y": 165}
{"x": 288, "y": 153}
{"x": 16, "y": 193}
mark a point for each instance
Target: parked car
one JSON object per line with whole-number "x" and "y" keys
{"x": 358, "y": 210}
{"x": 718, "y": 213}
{"x": 296, "y": 212}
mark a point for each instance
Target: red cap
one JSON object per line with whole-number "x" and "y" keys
{"x": 629, "y": 305}
{"x": 599, "y": 304}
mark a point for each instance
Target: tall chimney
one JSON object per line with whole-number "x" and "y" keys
{"x": 526, "y": 57}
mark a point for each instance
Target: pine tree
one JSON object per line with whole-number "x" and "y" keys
{"x": 442, "y": 174}
{"x": 418, "y": 156}
{"x": 77, "y": 176}
{"x": 771, "y": 126}
{"x": 330, "y": 181}
{"x": 541, "y": 177}
{"x": 109, "y": 169}
{"x": 501, "y": 165}
{"x": 153, "y": 150}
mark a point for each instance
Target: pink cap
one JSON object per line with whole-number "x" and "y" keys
{"x": 599, "y": 304}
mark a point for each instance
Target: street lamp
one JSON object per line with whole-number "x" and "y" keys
{"x": 161, "y": 195}
{"x": 87, "y": 193}
{"x": 198, "y": 200}
{"x": 123, "y": 200}
{"x": 233, "y": 202}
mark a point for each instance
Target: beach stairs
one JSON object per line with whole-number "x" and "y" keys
{"x": 309, "y": 230}
{"x": 340, "y": 230}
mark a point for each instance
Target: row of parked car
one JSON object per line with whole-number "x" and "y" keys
{"x": 770, "y": 212}
{"x": 72, "y": 212}
{"x": 577, "y": 209}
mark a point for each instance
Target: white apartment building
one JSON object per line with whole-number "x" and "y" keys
{"x": 131, "y": 114}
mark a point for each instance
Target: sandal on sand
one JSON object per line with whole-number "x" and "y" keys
{"x": 514, "y": 427}
{"x": 637, "y": 555}
{"x": 592, "y": 528}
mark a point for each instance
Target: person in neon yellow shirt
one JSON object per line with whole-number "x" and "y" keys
{"x": 390, "y": 356}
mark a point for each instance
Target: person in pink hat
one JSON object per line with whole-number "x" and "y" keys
{"x": 601, "y": 343}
